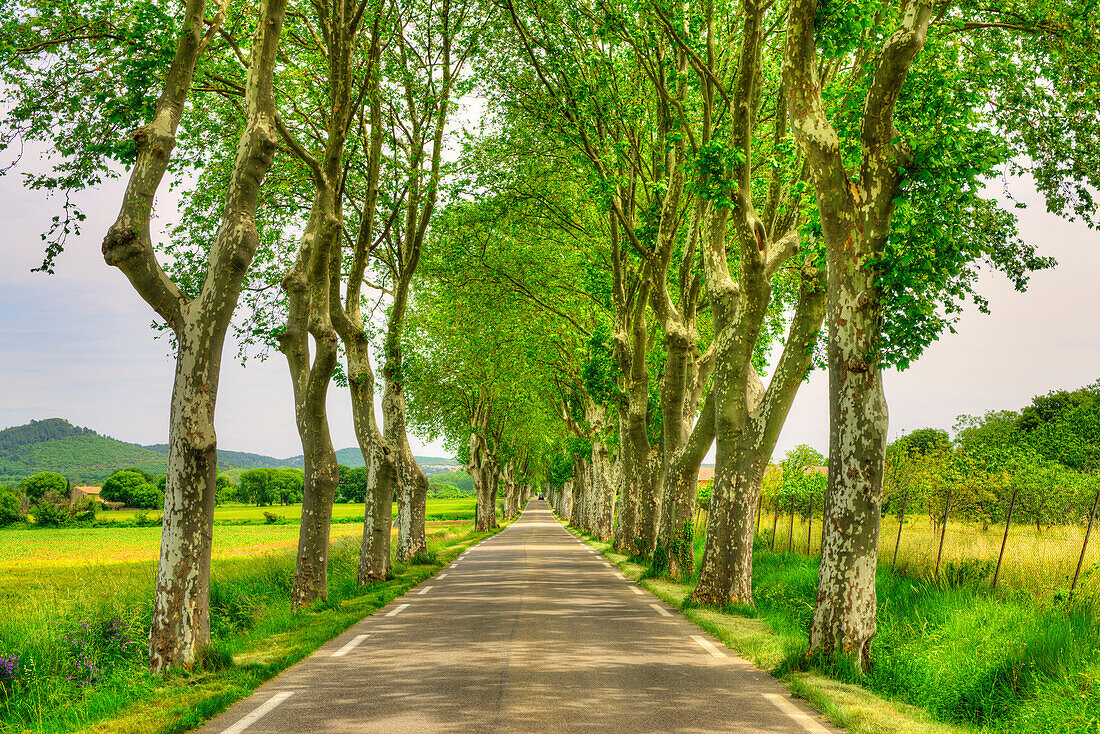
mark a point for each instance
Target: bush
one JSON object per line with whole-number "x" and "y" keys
{"x": 271, "y": 518}
{"x": 11, "y": 506}
{"x": 50, "y": 512}
{"x": 39, "y": 485}
{"x": 83, "y": 510}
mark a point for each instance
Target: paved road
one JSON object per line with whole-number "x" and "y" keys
{"x": 529, "y": 631}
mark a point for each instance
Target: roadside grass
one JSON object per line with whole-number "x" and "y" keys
{"x": 947, "y": 658}
{"x": 81, "y": 632}
{"x": 1040, "y": 561}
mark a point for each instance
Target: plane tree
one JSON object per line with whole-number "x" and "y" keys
{"x": 903, "y": 115}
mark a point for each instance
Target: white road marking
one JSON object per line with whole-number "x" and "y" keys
{"x": 256, "y": 715}
{"x": 397, "y": 610}
{"x": 661, "y": 610}
{"x": 637, "y": 591}
{"x": 425, "y": 590}
{"x": 804, "y": 720}
{"x": 708, "y": 646}
{"x": 441, "y": 576}
{"x": 350, "y": 646}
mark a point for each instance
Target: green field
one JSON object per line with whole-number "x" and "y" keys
{"x": 233, "y": 512}
{"x": 65, "y": 592}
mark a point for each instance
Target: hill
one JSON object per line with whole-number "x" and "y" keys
{"x": 87, "y": 457}
{"x": 353, "y": 457}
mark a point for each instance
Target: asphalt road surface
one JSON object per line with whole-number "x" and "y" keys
{"x": 529, "y": 631}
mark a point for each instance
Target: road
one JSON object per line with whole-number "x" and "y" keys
{"x": 529, "y": 631}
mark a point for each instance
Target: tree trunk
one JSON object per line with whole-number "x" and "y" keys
{"x": 180, "y": 623}
{"x": 681, "y": 485}
{"x": 181, "y": 613}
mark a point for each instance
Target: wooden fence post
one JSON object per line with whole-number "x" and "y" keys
{"x": 810, "y": 527}
{"x": 901, "y": 523}
{"x": 775, "y": 520}
{"x": 1004, "y": 541}
{"x": 943, "y": 532}
{"x": 790, "y": 538}
{"x": 1085, "y": 545}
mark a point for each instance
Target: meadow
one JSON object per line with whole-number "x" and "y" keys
{"x": 76, "y": 607}
{"x": 236, "y": 512}
{"x": 1041, "y": 562}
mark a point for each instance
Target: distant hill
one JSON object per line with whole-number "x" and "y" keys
{"x": 353, "y": 457}
{"x": 87, "y": 457}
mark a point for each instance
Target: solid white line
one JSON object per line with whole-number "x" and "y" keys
{"x": 661, "y": 610}
{"x": 350, "y": 646}
{"x": 804, "y": 720}
{"x": 425, "y": 590}
{"x": 708, "y": 646}
{"x": 441, "y": 576}
{"x": 396, "y": 610}
{"x": 255, "y": 716}
{"x": 637, "y": 591}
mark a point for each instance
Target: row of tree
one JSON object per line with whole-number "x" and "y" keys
{"x": 662, "y": 195}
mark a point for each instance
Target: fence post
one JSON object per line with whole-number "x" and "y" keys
{"x": 810, "y": 527}
{"x": 1004, "y": 541}
{"x": 1085, "y": 545}
{"x": 943, "y": 532}
{"x": 775, "y": 520}
{"x": 790, "y": 538}
{"x": 901, "y": 524}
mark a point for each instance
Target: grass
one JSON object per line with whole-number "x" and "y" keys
{"x": 1042, "y": 563}
{"x": 237, "y": 513}
{"x": 949, "y": 657}
{"x": 83, "y": 595}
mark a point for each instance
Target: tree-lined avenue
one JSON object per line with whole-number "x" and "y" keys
{"x": 529, "y": 631}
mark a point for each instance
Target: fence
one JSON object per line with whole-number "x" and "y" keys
{"x": 949, "y": 549}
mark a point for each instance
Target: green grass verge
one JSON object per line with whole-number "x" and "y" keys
{"x": 86, "y": 671}
{"x": 945, "y": 659}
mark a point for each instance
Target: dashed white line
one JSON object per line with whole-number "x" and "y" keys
{"x": 425, "y": 590}
{"x": 441, "y": 576}
{"x": 397, "y": 610}
{"x": 637, "y": 591}
{"x": 350, "y": 646}
{"x": 661, "y": 610}
{"x": 708, "y": 646}
{"x": 803, "y": 719}
{"x": 256, "y": 715}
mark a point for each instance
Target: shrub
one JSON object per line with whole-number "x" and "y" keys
{"x": 11, "y": 506}
{"x": 271, "y": 518}
{"x": 51, "y": 512}
{"x": 83, "y": 510}
{"x": 39, "y": 485}
{"x": 146, "y": 496}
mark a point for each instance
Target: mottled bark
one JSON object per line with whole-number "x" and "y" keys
{"x": 855, "y": 216}
{"x": 180, "y": 623}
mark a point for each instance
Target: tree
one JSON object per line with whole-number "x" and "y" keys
{"x": 11, "y": 506}
{"x": 889, "y": 205}
{"x": 36, "y": 486}
{"x": 125, "y": 486}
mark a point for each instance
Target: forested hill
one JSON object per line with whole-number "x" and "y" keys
{"x": 353, "y": 457}
{"x": 85, "y": 456}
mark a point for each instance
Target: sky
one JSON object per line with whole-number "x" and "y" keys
{"x": 78, "y": 344}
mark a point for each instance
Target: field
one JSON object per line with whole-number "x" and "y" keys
{"x": 234, "y": 512}
{"x": 1041, "y": 562}
{"x": 67, "y": 593}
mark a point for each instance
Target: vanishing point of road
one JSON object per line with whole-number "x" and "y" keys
{"x": 528, "y": 631}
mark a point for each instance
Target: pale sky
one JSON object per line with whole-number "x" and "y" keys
{"x": 78, "y": 345}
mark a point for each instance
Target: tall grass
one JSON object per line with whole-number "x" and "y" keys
{"x": 1041, "y": 562}
{"x": 1019, "y": 660}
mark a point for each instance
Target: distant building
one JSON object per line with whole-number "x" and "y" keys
{"x": 706, "y": 473}
{"x": 79, "y": 493}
